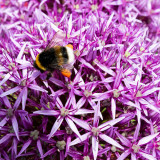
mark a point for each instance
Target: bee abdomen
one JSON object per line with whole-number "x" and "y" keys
{"x": 64, "y": 54}
{"x": 48, "y": 57}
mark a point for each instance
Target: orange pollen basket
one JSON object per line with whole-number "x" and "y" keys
{"x": 69, "y": 45}
{"x": 66, "y": 72}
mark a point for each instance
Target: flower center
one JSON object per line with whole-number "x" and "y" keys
{"x": 94, "y": 7}
{"x": 76, "y": 6}
{"x": 34, "y": 134}
{"x": 61, "y": 145}
{"x": 127, "y": 54}
{"x": 139, "y": 94}
{"x": 9, "y": 112}
{"x": 149, "y": 62}
{"x": 59, "y": 10}
{"x": 116, "y": 93}
{"x": 64, "y": 112}
{"x": 113, "y": 149}
{"x": 157, "y": 145}
{"x": 95, "y": 131}
{"x": 77, "y": 53}
{"x": 142, "y": 49}
{"x": 86, "y": 158}
{"x": 135, "y": 148}
{"x": 87, "y": 93}
{"x": 23, "y": 82}
{"x": 11, "y": 66}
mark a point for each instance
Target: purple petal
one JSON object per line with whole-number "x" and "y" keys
{"x": 56, "y": 126}
{"x": 6, "y": 102}
{"x": 136, "y": 132}
{"x": 147, "y": 104}
{"x": 24, "y": 98}
{"x": 129, "y": 103}
{"x": 15, "y": 142}
{"x": 36, "y": 87}
{"x": 133, "y": 156}
{"x": 113, "y": 108}
{"x": 81, "y": 102}
{"x": 124, "y": 140}
{"x": 106, "y": 69}
{"x": 62, "y": 155}
{"x": 108, "y": 124}
{"x": 51, "y": 151}
{"x": 150, "y": 91}
{"x": 81, "y": 123}
{"x": 21, "y": 51}
{"x": 39, "y": 146}
{"x": 147, "y": 139}
{"x": 67, "y": 145}
{"x": 69, "y": 24}
{"x": 83, "y": 111}
{"x": 18, "y": 100}
{"x": 73, "y": 126}
{"x": 24, "y": 147}
{"x": 57, "y": 82}
{"x": 5, "y": 138}
{"x": 47, "y": 112}
{"x": 107, "y": 80}
{"x": 59, "y": 103}
{"x": 46, "y": 84}
{"x": 68, "y": 103}
{"x": 58, "y": 92}
{"x": 24, "y": 64}
{"x": 3, "y": 69}
{"x": 10, "y": 91}
{"x": 78, "y": 77}
{"x": 83, "y": 138}
{"x": 95, "y": 147}
{"x": 118, "y": 78}
{"x": 124, "y": 155}
{"x": 3, "y": 122}
{"x": 102, "y": 96}
{"x": 138, "y": 114}
{"x": 15, "y": 42}
{"x": 34, "y": 76}
{"x": 73, "y": 100}
{"x": 96, "y": 115}
{"x": 32, "y": 54}
{"x": 147, "y": 156}
{"x": 87, "y": 64}
{"x": 15, "y": 126}
{"x": 7, "y": 76}
{"x": 110, "y": 140}
{"x": 5, "y": 155}
{"x": 94, "y": 106}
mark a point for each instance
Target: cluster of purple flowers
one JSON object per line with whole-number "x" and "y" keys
{"x": 110, "y": 107}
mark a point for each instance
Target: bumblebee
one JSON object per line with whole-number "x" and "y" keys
{"x": 56, "y": 56}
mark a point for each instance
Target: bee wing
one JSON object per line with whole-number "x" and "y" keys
{"x": 60, "y": 67}
{"x": 65, "y": 69}
{"x": 57, "y": 40}
{"x": 67, "y": 66}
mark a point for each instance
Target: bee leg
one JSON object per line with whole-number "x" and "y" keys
{"x": 49, "y": 75}
{"x": 41, "y": 71}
